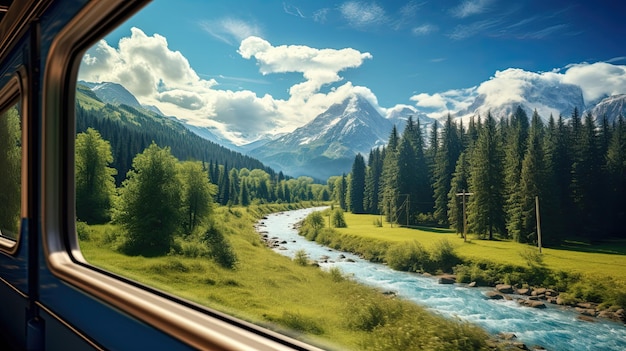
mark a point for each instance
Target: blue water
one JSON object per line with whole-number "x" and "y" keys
{"x": 555, "y": 328}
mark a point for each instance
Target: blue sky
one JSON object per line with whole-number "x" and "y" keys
{"x": 249, "y": 68}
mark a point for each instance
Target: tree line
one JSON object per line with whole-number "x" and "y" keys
{"x": 576, "y": 168}
{"x": 162, "y": 196}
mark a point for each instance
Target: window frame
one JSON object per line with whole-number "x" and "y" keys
{"x": 195, "y": 325}
{"x": 13, "y": 93}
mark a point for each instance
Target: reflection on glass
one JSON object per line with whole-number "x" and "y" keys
{"x": 10, "y": 172}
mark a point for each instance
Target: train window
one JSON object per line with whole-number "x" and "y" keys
{"x": 10, "y": 163}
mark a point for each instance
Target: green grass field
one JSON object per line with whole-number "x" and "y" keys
{"x": 607, "y": 259}
{"x": 271, "y": 290}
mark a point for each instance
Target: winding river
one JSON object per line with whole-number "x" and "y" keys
{"x": 554, "y": 328}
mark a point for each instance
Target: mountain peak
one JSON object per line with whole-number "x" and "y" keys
{"x": 113, "y": 93}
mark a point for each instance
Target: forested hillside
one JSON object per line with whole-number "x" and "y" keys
{"x": 575, "y": 168}
{"x": 130, "y": 131}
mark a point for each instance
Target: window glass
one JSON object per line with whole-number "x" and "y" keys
{"x": 428, "y": 136}
{"x": 10, "y": 172}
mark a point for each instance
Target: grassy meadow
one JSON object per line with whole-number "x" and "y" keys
{"x": 580, "y": 272}
{"x": 607, "y": 259}
{"x": 266, "y": 288}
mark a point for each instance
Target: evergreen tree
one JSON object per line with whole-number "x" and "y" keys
{"x": 95, "y": 182}
{"x": 458, "y": 184}
{"x": 389, "y": 179}
{"x": 532, "y": 181}
{"x": 224, "y": 185}
{"x": 446, "y": 160}
{"x": 197, "y": 194}
{"x": 372, "y": 182}
{"x": 357, "y": 185}
{"x": 586, "y": 184}
{"x": 406, "y": 182}
{"x": 516, "y": 135}
{"x": 485, "y": 208}
{"x": 233, "y": 192}
{"x": 422, "y": 202}
{"x": 150, "y": 203}
{"x": 244, "y": 195}
{"x": 616, "y": 168}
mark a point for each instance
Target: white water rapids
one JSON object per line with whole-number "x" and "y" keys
{"x": 554, "y": 328}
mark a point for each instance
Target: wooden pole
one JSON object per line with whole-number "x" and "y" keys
{"x": 463, "y": 194}
{"x": 538, "y": 222}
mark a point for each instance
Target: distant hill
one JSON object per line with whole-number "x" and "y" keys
{"x": 130, "y": 129}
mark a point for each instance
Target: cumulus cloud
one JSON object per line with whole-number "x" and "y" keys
{"x": 512, "y": 85}
{"x": 319, "y": 66}
{"x": 362, "y": 15}
{"x": 597, "y": 79}
{"x": 161, "y": 77}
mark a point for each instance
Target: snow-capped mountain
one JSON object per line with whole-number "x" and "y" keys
{"x": 399, "y": 114}
{"x": 327, "y": 145}
{"x": 546, "y": 97}
{"x": 113, "y": 93}
{"x": 611, "y": 107}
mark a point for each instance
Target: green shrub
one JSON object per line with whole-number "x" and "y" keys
{"x": 411, "y": 257}
{"x": 83, "y": 231}
{"x": 339, "y": 220}
{"x": 443, "y": 256}
{"x": 301, "y": 258}
{"x": 336, "y": 275}
{"x": 219, "y": 249}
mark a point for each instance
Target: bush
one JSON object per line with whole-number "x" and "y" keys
{"x": 83, "y": 231}
{"x": 301, "y": 258}
{"x": 336, "y": 275}
{"x": 411, "y": 257}
{"x": 219, "y": 248}
{"x": 443, "y": 256}
{"x": 338, "y": 219}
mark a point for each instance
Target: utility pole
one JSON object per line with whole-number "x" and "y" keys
{"x": 538, "y": 222}
{"x": 464, "y": 194}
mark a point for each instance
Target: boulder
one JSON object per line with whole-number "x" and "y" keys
{"x": 591, "y": 312}
{"x": 531, "y": 303}
{"x": 504, "y": 288}
{"x": 523, "y": 291}
{"x": 494, "y": 295}
{"x": 446, "y": 280}
{"x": 472, "y": 285}
{"x": 538, "y": 292}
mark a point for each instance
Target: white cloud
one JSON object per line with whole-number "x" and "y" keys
{"x": 597, "y": 79}
{"x": 471, "y": 7}
{"x": 362, "y": 15}
{"x": 230, "y": 30}
{"x": 319, "y": 66}
{"x": 424, "y": 29}
{"x": 161, "y": 77}
{"x": 430, "y": 101}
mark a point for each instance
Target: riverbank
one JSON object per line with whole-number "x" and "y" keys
{"x": 594, "y": 289}
{"x": 323, "y": 308}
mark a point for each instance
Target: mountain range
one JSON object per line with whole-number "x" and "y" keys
{"x": 327, "y": 145}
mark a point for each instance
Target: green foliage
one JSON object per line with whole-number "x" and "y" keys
{"x": 197, "y": 194}
{"x": 315, "y": 220}
{"x": 336, "y": 274}
{"x": 83, "y": 231}
{"x": 10, "y": 172}
{"x": 443, "y": 255}
{"x": 301, "y": 323}
{"x": 219, "y": 248}
{"x": 357, "y": 185}
{"x": 411, "y": 257}
{"x": 150, "y": 203}
{"x": 301, "y": 258}
{"x": 95, "y": 182}
{"x": 338, "y": 219}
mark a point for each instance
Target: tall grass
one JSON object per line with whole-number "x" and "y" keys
{"x": 271, "y": 290}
